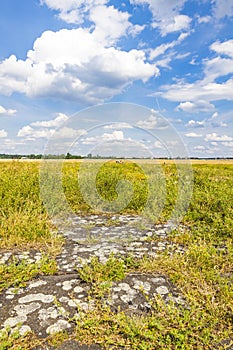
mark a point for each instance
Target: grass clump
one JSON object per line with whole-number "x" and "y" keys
{"x": 18, "y": 273}
{"x": 23, "y": 220}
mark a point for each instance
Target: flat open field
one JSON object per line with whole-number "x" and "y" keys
{"x": 200, "y": 266}
{"x": 144, "y": 161}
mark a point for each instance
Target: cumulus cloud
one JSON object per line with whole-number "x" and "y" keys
{"x": 7, "y": 112}
{"x": 158, "y": 144}
{"x": 196, "y": 123}
{"x": 217, "y": 67}
{"x": 166, "y": 15}
{"x": 118, "y": 126}
{"x": 224, "y": 48}
{"x": 44, "y": 133}
{"x": 110, "y": 24}
{"x": 195, "y": 107}
{"x": 28, "y": 131}
{"x": 199, "y": 148}
{"x": 228, "y": 144}
{"x": 72, "y": 11}
{"x": 204, "y": 19}
{"x": 54, "y": 128}
{"x": 176, "y": 24}
{"x": 153, "y": 122}
{"x": 222, "y": 8}
{"x": 116, "y": 135}
{"x": 199, "y": 90}
{"x": 208, "y": 89}
{"x": 58, "y": 121}
{"x": 193, "y": 135}
{"x": 73, "y": 64}
{"x": 216, "y": 137}
{"x": 3, "y": 133}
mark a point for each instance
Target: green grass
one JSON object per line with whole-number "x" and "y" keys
{"x": 204, "y": 273}
{"x": 17, "y": 273}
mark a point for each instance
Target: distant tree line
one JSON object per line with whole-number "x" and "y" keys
{"x": 40, "y": 156}
{"x": 89, "y": 156}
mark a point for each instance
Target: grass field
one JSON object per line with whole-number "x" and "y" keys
{"x": 204, "y": 274}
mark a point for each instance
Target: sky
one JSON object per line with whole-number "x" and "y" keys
{"x": 131, "y": 78}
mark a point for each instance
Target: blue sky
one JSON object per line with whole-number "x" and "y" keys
{"x": 59, "y": 58}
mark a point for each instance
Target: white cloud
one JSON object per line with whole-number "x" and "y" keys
{"x": 214, "y": 115}
{"x": 166, "y": 15}
{"x": 14, "y": 74}
{"x": 217, "y": 67}
{"x": 3, "y": 133}
{"x": 58, "y": 121}
{"x": 216, "y": 137}
{"x": 161, "y": 49}
{"x": 165, "y": 62}
{"x": 7, "y": 112}
{"x": 72, "y": 11}
{"x": 73, "y": 64}
{"x": 39, "y": 133}
{"x": 216, "y": 124}
{"x": 222, "y": 8}
{"x": 135, "y": 29}
{"x": 228, "y": 144}
{"x": 199, "y": 90}
{"x": 28, "y": 131}
{"x": 224, "y": 48}
{"x": 110, "y": 24}
{"x": 68, "y": 133}
{"x": 196, "y": 123}
{"x": 199, "y": 148}
{"x": 197, "y": 106}
{"x": 178, "y": 23}
{"x": 193, "y": 135}
{"x": 208, "y": 89}
{"x": 158, "y": 144}
{"x": 153, "y": 122}
{"x": 204, "y": 19}
{"x": 116, "y": 135}
{"x": 118, "y": 126}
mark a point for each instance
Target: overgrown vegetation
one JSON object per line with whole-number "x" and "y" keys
{"x": 204, "y": 273}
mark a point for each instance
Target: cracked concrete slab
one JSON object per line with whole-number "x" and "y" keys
{"x": 52, "y": 303}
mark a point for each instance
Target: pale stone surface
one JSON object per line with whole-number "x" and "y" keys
{"x": 59, "y": 298}
{"x": 37, "y": 297}
{"x": 14, "y": 321}
{"x": 45, "y": 314}
{"x": 59, "y": 326}
{"x": 37, "y": 284}
{"x": 26, "y": 309}
{"x": 24, "y": 330}
{"x": 162, "y": 290}
{"x": 78, "y": 289}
